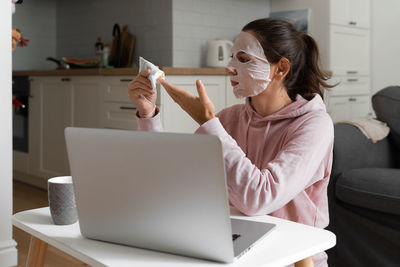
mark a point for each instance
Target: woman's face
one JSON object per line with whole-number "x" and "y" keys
{"x": 248, "y": 69}
{"x": 241, "y": 57}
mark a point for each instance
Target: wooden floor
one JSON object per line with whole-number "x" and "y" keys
{"x": 28, "y": 197}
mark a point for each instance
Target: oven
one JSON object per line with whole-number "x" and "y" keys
{"x": 20, "y": 111}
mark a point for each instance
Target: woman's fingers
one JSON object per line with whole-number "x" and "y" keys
{"x": 141, "y": 88}
{"x": 173, "y": 91}
{"x": 137, "y": 92}
{"x": 141, "y": 83}
{"x": 175, "y": 97}
{"x": 201, "y": 90}
{"x": 145, "y": 73}
{"x": 142, "y": 78}
{"x": 171, "y": 87}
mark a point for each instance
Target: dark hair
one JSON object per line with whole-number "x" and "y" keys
{"x": 279, "y": 38}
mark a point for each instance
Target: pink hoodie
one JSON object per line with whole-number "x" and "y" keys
{"x": 277, "y": 165}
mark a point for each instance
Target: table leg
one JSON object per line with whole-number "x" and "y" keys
{"x": 307, "y": 262}
{"x": 37, "y": 252}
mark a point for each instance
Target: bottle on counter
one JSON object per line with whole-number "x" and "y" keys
{"x": 99, "y": 46}
{"x": 106, "y": 54}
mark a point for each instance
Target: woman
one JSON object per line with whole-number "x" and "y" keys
{"x": 278, "y": 145}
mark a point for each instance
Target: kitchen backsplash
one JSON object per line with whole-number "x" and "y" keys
{"x": 80, "y": 22}
{"x": 168, "y": 32}
{"x": 197, "y": 21}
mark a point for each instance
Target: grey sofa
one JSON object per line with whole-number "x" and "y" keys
{"x": 364, "y": 190}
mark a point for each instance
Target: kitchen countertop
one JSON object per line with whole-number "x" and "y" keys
{"x": 119, "y": 71}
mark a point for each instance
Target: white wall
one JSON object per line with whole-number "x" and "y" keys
{"x": 385, "y": 43}
{"x": 37, "y": 21}
{"x": 195, "y": 22}
{"x": 8, "y": 252}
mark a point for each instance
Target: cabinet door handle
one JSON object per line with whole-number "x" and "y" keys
{"x": 352, "y": 80}
{"x": 124, "y": 107}
{"x": 353, "y": 23}
{"x": 125, "y": 80}
{"x": 352, "y": 72}
{"x": 351, "y": 99}
{"x": 65, "y": 79}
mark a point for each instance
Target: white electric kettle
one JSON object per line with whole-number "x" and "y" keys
{"x": 218, "y": 53}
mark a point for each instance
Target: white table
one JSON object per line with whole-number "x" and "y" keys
{"x": 289, "y": 242}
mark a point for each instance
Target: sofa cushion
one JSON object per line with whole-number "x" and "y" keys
{"x": 386, "y": 104}
{"x": 371, "y": 188}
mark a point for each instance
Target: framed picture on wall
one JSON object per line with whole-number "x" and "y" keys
{"x": 299, "y": 17}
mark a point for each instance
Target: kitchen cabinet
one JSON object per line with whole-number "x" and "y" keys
{"x": 49, "y": 114}
{"x": 86, "y": 100}
{"x": 353, "y": 13}
{"x": 56, "y": 103}
{"x": 20, "y": 161}
{"x": 177, "y": 120}
{"x": 349, "y": 85}
{"x": 117, "y": 111}
{"x": 349, "y": 51}
{"x": 341, "y": 29}
{"x": 348, "y": 107}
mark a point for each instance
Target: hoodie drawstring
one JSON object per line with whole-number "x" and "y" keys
{"x": 247, "y": 132}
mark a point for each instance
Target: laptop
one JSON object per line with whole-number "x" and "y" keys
{"x": 160, "y": 191}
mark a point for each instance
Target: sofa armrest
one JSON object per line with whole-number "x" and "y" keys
{"x": 353, "y": 150}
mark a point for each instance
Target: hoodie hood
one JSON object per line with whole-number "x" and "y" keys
{"x": 298, "y": 108}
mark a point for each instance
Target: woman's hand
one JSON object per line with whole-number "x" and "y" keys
{"x": 200, "y": 108}
{"x": 142, "y": 94}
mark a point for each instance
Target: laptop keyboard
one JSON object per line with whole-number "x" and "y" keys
{"x": 235, "y": 236}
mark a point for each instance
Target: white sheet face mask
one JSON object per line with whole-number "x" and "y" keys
{"x": 252, "y": 76}
{"x": 155, "y": 72}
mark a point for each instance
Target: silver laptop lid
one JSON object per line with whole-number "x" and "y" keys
{"x": 162, "y": 191}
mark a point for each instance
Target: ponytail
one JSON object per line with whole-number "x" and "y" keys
{"x": 310, "y": 79}
{"x": 280, "y": 38}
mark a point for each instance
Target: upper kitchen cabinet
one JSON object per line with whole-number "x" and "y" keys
{"x": 355, "y": 13}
